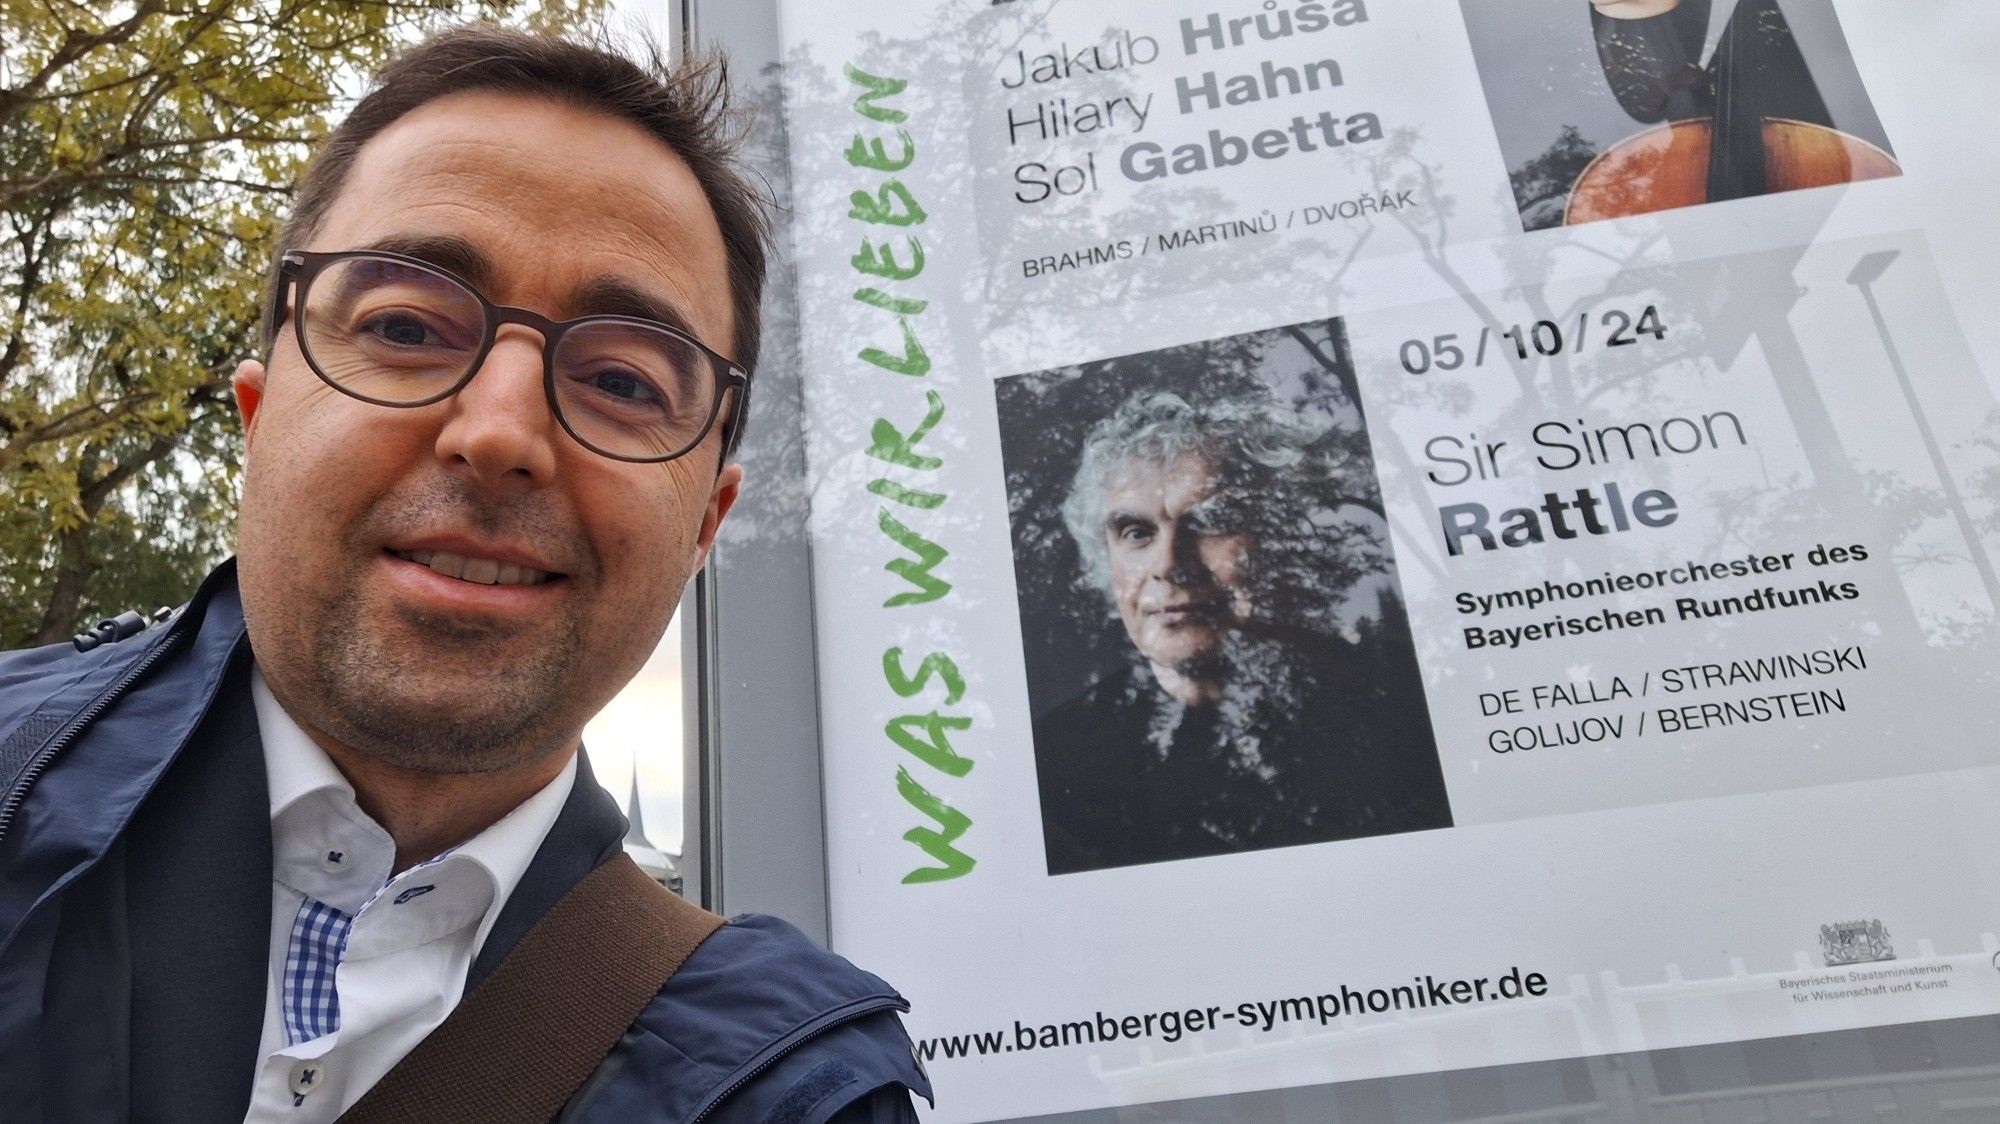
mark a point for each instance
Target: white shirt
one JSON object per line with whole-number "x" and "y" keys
{"x": 411, "y": 938}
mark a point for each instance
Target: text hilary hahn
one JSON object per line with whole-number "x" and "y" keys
{"x": 1058, "y": 106}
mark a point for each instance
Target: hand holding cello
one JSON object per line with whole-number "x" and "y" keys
{"x": 1746, "y": 144}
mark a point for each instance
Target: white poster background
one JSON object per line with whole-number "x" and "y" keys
{"x": 1671, "y": 889}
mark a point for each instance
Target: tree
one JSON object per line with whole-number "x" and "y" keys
{"x": 1542, "y": 185}
{"x": 147, "y": 152}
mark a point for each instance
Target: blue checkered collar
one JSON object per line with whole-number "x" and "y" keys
{"x": 327, "y": 849}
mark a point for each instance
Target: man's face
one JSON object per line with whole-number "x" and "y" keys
{"x": 545, "y": 207}
{"x": 1178, "y": 574}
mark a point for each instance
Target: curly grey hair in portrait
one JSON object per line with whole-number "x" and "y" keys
{"x": 1263, "y": 450}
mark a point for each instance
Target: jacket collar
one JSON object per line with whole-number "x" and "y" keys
{"x": 199, "y": 893}
{"x": 74, "y": 804}
{"x": 588, "y": 830}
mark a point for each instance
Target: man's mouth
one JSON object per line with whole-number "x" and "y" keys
{"x": 479, "y": 571}
{"x": 1190, "y": 609}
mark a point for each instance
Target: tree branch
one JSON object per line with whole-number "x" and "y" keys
{"x": 74, "y": 423}
{"x": 1340, "y": 371}
{"x": 75, "y": 46}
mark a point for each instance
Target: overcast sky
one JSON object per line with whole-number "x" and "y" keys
{"x": 654, "y": 15}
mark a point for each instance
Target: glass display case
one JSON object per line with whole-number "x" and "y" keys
{"x": 1327, "y": 560}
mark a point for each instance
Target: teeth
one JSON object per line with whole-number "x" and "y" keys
{"x": 483, "y": 571}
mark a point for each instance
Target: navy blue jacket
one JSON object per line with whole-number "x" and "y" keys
{"x": 135, "y": 881}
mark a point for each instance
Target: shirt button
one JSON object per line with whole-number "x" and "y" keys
{"x": 333, "y": 862}
{"x": 307, "y": 1076}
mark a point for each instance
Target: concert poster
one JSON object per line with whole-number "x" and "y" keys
{"x": 1357, "y": 539}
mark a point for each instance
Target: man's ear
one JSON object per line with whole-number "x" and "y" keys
{"x": 248, "y": 383}
{"x": 721, "y": 498}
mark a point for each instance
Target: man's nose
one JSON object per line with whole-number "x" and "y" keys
{"x": 499, "y": 427}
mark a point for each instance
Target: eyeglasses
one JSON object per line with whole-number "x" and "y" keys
{"x": 396, "y": 331}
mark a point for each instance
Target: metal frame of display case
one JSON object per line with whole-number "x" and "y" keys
{"x": 756, "y": 837}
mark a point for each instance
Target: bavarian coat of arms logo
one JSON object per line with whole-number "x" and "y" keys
{"x": 1855, "y": 942}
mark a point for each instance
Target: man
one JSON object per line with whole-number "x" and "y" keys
{"x": 1224, "y": 537}
{"x": 252, "y": 857}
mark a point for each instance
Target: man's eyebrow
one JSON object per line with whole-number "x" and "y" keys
{"x": 615, "y": 296}
{"x": 1210, "y": 506}
{"x": 601, "y": 296}
{"x": 445, "y": 251}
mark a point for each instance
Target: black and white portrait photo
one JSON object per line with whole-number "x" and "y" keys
{"x": 1217, "y": 652}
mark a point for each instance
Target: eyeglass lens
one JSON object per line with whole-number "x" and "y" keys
{"x": 400, "y": 334}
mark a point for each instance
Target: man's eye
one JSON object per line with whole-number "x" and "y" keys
{"x": 625, "y": 385}
{"x": 1218, "y": 521}
{"x": 1135, "y": 533}
{"x": 401, "y": 329}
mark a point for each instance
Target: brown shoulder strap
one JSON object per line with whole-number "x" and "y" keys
{"x": 528, "y": 1036}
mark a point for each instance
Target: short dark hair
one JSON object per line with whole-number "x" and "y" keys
{"x": 685, "y": 106}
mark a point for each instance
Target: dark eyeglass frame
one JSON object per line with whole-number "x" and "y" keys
{"x": 298, "y": 268}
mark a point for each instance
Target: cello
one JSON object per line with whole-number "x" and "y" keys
{"x": 1734, "y": 153}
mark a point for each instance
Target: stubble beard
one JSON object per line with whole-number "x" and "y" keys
{"x": 425, "y": 692}
{"x": 495, "y": 714}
